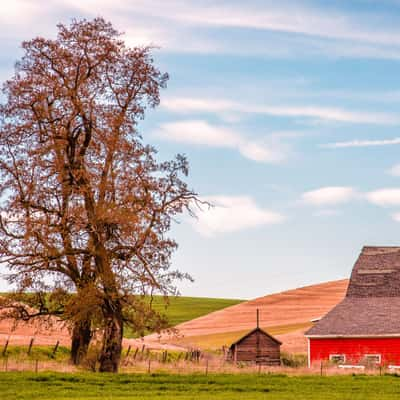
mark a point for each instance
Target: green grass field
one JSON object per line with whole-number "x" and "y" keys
{"x": 181, "y": 309}
{"x": 46, "y": 386}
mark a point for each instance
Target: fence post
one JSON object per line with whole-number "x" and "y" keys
{"x": 5, "y": 347}
{"x": 55, "y": 349}
{"x": 30, "y": 346}
{"x": 148, "y": 367}
{"x": 36, "y": 365}
{"x": 206, "y": 367}
{"x": 6, "y": 364}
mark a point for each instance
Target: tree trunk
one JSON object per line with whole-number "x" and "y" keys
{"x": 112, "y": 339}
{"x": 81, "y": 336}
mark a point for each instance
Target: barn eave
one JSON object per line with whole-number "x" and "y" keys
{"x": 389, "y": 335}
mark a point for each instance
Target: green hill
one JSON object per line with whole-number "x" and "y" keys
{"x": 181, "y": 309}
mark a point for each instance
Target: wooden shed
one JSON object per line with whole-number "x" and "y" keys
{"x": 256, "y": 347}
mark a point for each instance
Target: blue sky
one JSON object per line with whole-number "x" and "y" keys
{"x": 289, "y": 114}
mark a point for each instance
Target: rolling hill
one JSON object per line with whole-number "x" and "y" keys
{"x": 211, "y": 323}
{"x": 286, "y": 315}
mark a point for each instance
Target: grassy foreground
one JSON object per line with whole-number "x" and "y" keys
{"x": 184, "y": 387}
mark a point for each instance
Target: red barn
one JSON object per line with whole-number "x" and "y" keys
{"x": 365, "y": 327}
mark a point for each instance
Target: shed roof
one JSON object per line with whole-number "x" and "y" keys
{"x": 254, "y": 331}
{"x": 372, "y": 303}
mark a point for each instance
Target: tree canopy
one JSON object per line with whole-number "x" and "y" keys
{"x": 86, "y": 207}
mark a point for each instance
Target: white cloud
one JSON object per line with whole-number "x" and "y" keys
{"x": 395, "y": 170}
{"x": 305, "y": 31}
{"x": 198, "y": 132}
{"x": 304, "y": 20}
{"x": 327, "y": 213}
{"x": 384, "y": 197}
{"x": 396, "y": 217}
{"x": 361, "y": 143}
{"x": 329, "y": 195}
{"x": 185, "y": 105}
{"x": 232, "y": 214}
{"x": 13, "y": 10}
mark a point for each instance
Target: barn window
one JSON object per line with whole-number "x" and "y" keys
{"x": 337, "y": 358}
{"x": 372, "y": 358}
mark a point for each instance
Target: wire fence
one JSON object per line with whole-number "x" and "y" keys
{"x": 146, "y": 360}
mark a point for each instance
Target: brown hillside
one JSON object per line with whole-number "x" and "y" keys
{"x": 285, "y": 308}
{"x": 286, "y": 315}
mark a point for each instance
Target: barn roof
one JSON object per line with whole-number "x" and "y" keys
{"x": 372, "y": 303}
{"x": 253, "y": 331}
{"x": 376, "y": 273}
{"x": 361, "y": 316}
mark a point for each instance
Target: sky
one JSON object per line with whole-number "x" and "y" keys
{"x": 289, "y": 115}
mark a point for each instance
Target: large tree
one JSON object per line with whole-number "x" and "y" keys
{"x": 85, "y": 205}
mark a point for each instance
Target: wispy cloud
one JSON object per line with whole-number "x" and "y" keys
{"x": 327, "y": 213}
{"x": 396, "y": 217}
{"x": 211, "y": 27}
{"x": 232, "y": 214}
{"x": 198, "y": 132}
{"x": 387, "y": 197}
{"x": 395, "y": 170}
{"x": 312, "y": 21}
{"x": 185, "y": 105}
{"x": 361, "y": 143}
{"x": 329, "y": 195}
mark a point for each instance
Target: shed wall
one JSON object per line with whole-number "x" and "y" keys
{"x": 268, "y": 350}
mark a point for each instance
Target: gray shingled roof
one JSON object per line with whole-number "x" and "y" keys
{"x": 376, "y": 273}
{"x": 372, "y": 303}
{"x": 361, "y": 316}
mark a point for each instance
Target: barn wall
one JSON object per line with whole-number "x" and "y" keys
{"x": 355, "y": 349}
{"x": 269, "y": 350}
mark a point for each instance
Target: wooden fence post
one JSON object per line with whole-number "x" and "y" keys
{"x": 206, "y": 367}
{"x": 148, "y": 366}
{"x": 55, "y": 349}
{"x": 30, "y": 346}
{"x": 5, "y": 347}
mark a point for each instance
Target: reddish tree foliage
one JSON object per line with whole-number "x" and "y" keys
{"x": 85, "y": 205}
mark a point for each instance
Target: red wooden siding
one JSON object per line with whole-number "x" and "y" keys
{"x": 355, "y": 349}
